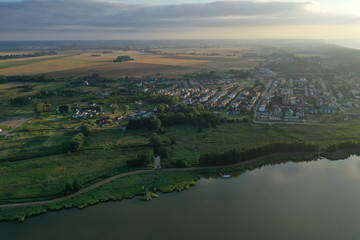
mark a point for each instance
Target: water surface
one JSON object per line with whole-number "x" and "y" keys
{"x": 309, "y": 200}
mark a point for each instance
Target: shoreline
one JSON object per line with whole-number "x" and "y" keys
{"x": 92, "y": 195}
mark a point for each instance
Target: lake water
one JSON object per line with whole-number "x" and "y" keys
{"x": 313, "y": 200}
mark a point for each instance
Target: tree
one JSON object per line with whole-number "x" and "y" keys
{"x": 115, "y": 107}
{"x": 42, "y": 107}
{"x": 155, "y": 142}
{"x": 126, "y": 108}
{"x": 21, "y": 100}
{"x": 160, "y": 108}
{"x": 123, "y": 59}
{"x": 77, "y": 142}
{"x": 87, "y": 128}
{"x": 154, "y": 123}
{"x": 95, "y": 76}
{"x": 98, "y": 108}
{"x": 72, "y": 187}
{"x": 64, "y": 108}
{"x": 173, "y": 141}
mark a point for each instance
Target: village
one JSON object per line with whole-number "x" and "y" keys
{"x": 269, "y": 96}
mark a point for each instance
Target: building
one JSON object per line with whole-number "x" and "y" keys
{"x": 328, "y": 109}
{"x": 286, "y": 99}
{"x": 289, "y": 113}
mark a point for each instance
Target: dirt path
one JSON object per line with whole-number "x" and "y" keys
{"x": 5, "y": 132}
{"x": 84, "y": 190}
{"x": 110, "y": 179}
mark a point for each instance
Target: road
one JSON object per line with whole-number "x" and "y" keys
{"x": 336, "y": 103}
{"x": 266, "y": 91}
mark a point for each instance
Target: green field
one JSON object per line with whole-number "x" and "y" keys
{"x": 24, "y": 62}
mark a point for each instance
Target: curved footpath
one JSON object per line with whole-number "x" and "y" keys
{"x": 110, "y": 179}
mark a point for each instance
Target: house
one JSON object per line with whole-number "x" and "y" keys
{"x": 300, "y": 114}
{"x": 262, "y": 107}
{"x": 138, "y": 102}
{"x": 347, "y": 104}
{"x": 84, "y": 83}
{"x": 328, "y": 109}
{"x": 289, "y": 113}
{"x": 277, "y": 112}
{"x": 286, "y": 99}
{"x": 312, "y": 110}
{"x": 92, "y": 104}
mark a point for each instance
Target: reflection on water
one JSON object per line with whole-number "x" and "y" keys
{"x": 313, "y": 200}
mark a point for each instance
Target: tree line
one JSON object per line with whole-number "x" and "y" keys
{"x": 27, "y": 55}
{"x": 238, "y": 155}
{"x": 182, "y": 114}
{"x": 343, "y": 145}
{"x": 159, "y": 98}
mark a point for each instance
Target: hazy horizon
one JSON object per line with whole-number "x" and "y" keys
{"x": 178, "y": 19}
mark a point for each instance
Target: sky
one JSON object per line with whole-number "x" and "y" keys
{"x": 178, "y": 19}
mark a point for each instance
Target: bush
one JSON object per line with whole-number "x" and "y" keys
{"x": 72, "y": 187}
{"x": 142, "y": 159}
{"x": 180, "y": 163}
{"x": 164, "y": 152}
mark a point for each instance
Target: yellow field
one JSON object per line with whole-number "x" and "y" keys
{"x": 46, "y": 67}
{"x": 170, "y": 62}
{"x": 5, "y": 86}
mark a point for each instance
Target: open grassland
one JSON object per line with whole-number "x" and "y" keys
{"x": 47, "y": 166}
{"x": 50, "y": 122}
{"x": 45, "y": 177}
{"x": 18, "y": 89}
{"x": 15, "y": 111}
{"x": 191, "y": 143}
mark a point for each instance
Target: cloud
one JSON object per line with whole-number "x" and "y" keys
{"x": 112, "y": 16}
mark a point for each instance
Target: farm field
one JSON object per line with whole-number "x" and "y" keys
{"x": 84, "y": 63}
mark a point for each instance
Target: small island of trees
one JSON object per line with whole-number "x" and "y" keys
{"x": 123, "y": 59}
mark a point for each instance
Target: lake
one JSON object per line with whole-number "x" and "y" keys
{"x": 308, "y": 200}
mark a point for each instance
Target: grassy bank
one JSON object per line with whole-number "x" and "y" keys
{"x": 146, "y": 185}
{"x": 124, "y": 188}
